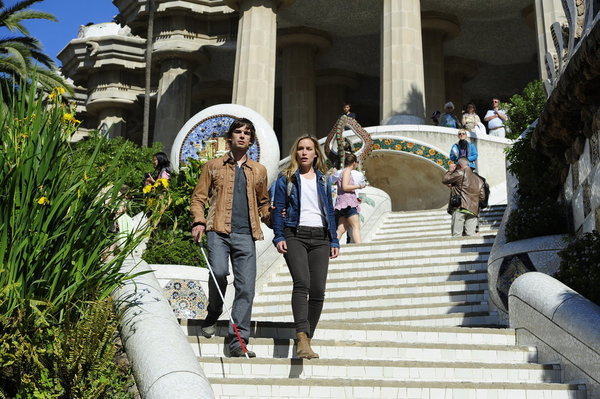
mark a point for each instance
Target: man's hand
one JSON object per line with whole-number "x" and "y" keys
{"x": 197, "y": 232}
{"x": 452, "y": 168}
{"x": 282, "y": 247}
{"x": 334, "y": 252}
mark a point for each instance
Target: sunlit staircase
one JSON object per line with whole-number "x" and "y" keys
{"x": 406, "y": 316}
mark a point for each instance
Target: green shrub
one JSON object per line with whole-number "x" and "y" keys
{"x": 538, "y": 212}
{"x": 533, "y": 219}
{"x": 523, "y": 109}
{"x": 69, "y": 360}
{"x": 134, "y": 161}
{"x": 177, "y": 251}
{"x": 580, "y": 266}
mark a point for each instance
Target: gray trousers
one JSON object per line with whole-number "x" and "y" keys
{"x": 463, "y": 222}
{"x": 240, "y": 248}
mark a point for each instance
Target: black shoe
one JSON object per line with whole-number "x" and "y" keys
{"x": 239, "y": 352}
{"x": 208, "y": 331}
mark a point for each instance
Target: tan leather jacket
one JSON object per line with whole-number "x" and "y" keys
{"x": 215, "y": 189}
{"x": 470, "y": 191}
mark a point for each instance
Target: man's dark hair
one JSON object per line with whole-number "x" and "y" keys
{"x": 239, "y": 122}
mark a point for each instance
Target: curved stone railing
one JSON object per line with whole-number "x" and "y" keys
{"x": 561, "y": 323}
{"x": 163, "y": 364}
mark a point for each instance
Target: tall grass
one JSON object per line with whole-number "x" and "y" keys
{"x": 54, "y": 218}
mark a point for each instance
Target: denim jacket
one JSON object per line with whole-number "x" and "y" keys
{"x": 292, "y": 206}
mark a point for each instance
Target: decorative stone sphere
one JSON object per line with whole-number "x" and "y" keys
{"x": 203, "y": 137}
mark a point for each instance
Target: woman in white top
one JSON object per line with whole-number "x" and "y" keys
{"x": 305, "y": 234}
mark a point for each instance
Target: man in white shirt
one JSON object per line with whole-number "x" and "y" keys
{"x": 495, "y": 118}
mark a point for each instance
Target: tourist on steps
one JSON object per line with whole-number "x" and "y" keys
{"x": 464, "y": 149}
{"x": 467, "y": 187}
{"x": 235, "y": 189}
{"x": 305, "y": 234}
{"x": 347, "y": 203}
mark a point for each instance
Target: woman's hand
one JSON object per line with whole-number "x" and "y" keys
{"x": 334, "y": 252}
{"x": 282, "y": 247}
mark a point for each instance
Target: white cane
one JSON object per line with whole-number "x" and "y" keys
{"x": 235, "y": 329}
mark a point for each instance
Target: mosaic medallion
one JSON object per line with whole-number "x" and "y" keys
{"x": 187, "y": 299}
{"x": 206, "y": 140}
{"x": 512, "y": 267}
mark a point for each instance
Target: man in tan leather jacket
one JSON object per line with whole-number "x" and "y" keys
{"x": 469, "y": 187}
{"x": 234, "y": 188}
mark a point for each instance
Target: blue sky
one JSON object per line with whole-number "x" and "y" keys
{"x": 70, "y": 14}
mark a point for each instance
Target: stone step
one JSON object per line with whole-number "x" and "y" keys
{"x": 399, "y": 370}
{"x": 377, "y": 281}
{"x": 383, "y": 312}
{"x": 442, "y": 231}
{"x": 360, "y": 270}
{"x": 355, "y": 388}
{"x": 410, "y": 243}
{"x": 395, "y": 258}
{"x": 351, "y": 294}
{"x": 436, "y": 220}
{"x": 437, "y": 213}
{"x": 380, "y": 350}
{"x": 454, "y": 319}
{"x": 273, "y": 304}
{"x": 284, "y": 289}
{"x": 331, "y": 330}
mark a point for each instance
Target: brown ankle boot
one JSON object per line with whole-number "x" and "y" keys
{"x": 303, "y": 349}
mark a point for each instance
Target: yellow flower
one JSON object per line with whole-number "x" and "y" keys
{"x": 387, "y": 141}
{"x": 163, "y": 182}
{"x": 70, "y": 118}
{"x": 439, "y": 162}
{"x": 419, "y": 152}
{"x": 431, "y": 151}
{"x": 43, "y": 201}
{"x": 376, "y": 146}
{"x": 410, "y": 145}
{"x": 147, "y": 188}
{"x": 398, "y": 147}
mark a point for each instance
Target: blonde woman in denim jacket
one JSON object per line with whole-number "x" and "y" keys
{"x": 306, "y": 235}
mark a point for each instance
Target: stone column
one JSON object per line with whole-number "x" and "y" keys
{"x": 402, "y": 77}
{"x": 254, "y": 76}
{"x": 299, "y": 97}
{"x": 458, "y": 70}
{"x": 332, "y": 85}
{"x": 111, "y": 121}
{"x": 437, "y": 28}
{"x": 173, "y": 101}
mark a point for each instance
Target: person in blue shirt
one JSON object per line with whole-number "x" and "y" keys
{"x": 448, "y": 119}
{"x": 305, "y": 233}
{"x": 464, "y": 149}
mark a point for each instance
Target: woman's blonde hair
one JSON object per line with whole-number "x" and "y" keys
{"x": 318, "y": 163}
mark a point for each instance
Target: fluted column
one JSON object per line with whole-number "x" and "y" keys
{"x": 173, "y": 102}
{"x": 437, "y": 28}
{"x": 457, "y": 71}
{"x": 254, "y": 76}
{"x": 332, "y": 85}
{"x": 402, "y": 78}
{"x": 299, "y": 96}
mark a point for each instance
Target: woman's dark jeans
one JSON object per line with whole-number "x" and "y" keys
{"x": 307, "y": 257}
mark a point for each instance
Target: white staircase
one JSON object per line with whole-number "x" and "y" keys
{"x": 405, "y": 316}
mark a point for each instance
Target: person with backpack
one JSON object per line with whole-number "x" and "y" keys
{"x": 466, "y": 192}
{"x": 305, "y": 233}
{"x": 464, "y": 149}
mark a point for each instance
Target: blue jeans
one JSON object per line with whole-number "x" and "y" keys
{"x": 242, "y": 252}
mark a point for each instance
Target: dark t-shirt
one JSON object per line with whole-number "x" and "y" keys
{"x": 240, "y": 215}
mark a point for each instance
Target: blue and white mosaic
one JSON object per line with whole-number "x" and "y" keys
{"x": 206, "y": 140}
{"x": 187, "y": 299}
